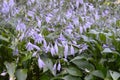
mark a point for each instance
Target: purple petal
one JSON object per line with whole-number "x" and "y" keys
{"x": 72, "y": 50}
{"x": 59, "y": 66}
{"x": 52, "y": 51}
{"x": 21, "y": 26}
{"x": 5, "y": 8}
{"x": 56, "y": 47}
{"x": 66, "y": 51}
{"x": 29, "y": 46}
{"x": 55, "y": 66}
{"x": 41, "y": 64}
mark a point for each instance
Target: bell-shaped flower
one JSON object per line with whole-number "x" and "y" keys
{"x": 52, "y": 50}
{"x": 31, "y": 46}
{"x": 37, "y": 37}
{"x": 44, "y": 43}
{"x": 72, "y": 50}
{"x": 34, "y": 54}
{"x": 47, "y": 49}
{"x": 55, "y": 66}
{"x": 56, "y": 47}
{"x": 41, "y": 64}
{"x": 5, "y": 7}
{"x": 59, "y": 66}
{"x": 66, "y": 50}
{"x": 11, "y": 3}
{"x": 81, "y": 29}
{"x": 39, "y": 22}
{"x": 21, "y": 26}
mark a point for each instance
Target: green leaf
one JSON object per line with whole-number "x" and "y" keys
{"x": 4, "y": 39}
{"x": 118, "y": 23}
{"x": 89, "y": 77}
{"x": 98, "y": 73}
{"x": 49, "y": 65}
{"x": 74, "y": 71}
{"x": 114, "y": 75}
{"x": 102, "y": 37}
{"x": 10, "y": 68}
{"x": 21, "y": 74}
{"x": 78, "y": 58}
{"x": 85, "y": 65}
{"x": 69, "y": 77}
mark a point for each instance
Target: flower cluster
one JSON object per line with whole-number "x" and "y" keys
{"x": 52, "y": 23}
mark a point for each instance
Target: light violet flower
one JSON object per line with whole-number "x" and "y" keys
{"x": 78, "y": 2}
{"x": 37, "y": 37}
{"x": 44, "y": 43}
{"x": 55, "y": 66}
{"x": 56, "y": 47}
{"x": 96, "y": 15}
{"x": 91, "y": 7}
{"x": 59, "y": 66}
{"x": 52, "y": 50}
{"x": 75, "y": 21}
{"x": 34, "y": 54}
{"x": 66, "y": 50}
{"x": 5, "y": 8}
{"x": 81, "y": 29}
{"x": 31, "y": 14}
{"x": 31, "y": 46}
{"x": 104, "y": 13}
{"x": 69, "y": 14}
{"x": 41, "y": 64}
{"x": 69, "y": 31}
{"x": 32, "y": 1}
{"x": 72, "y": 50}
{"x": 11, "y": 3}
{"x": 21, "y": 26}
{"x": 39, "y": 22}
{"x": 48, "y": 18}
{"x": 62, "y": 38}
{"x": 47, "y": 48}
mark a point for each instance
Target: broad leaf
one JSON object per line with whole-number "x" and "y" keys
{"x": 114, "y": 75}
{"x": 21, "y": 74}
{"x": 10, "y": 69}
{"x": 69, "y": 77}
{"x": 74, "y": 71}
{"x": 98, "y": 73}
{"x": 85, "y": 65}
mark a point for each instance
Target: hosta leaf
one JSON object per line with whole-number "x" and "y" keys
{"x": 102, "y": 37}
{"x": 118, "y": 23}
{"x": 115, "y": 75}
{"x": 89, "y": 77}
{"x": 85, "y": 65}
{"x": 10, "y": 68}
{"x": 4, "y": 39}
{"x": 69, "y": 77}
{"x": 98, "y": 73}
{"x": 74, "y": 71}
{"x": 78, "y": 58}
{"x": 48, "y": 65}
{"x": 21, "y": 74}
